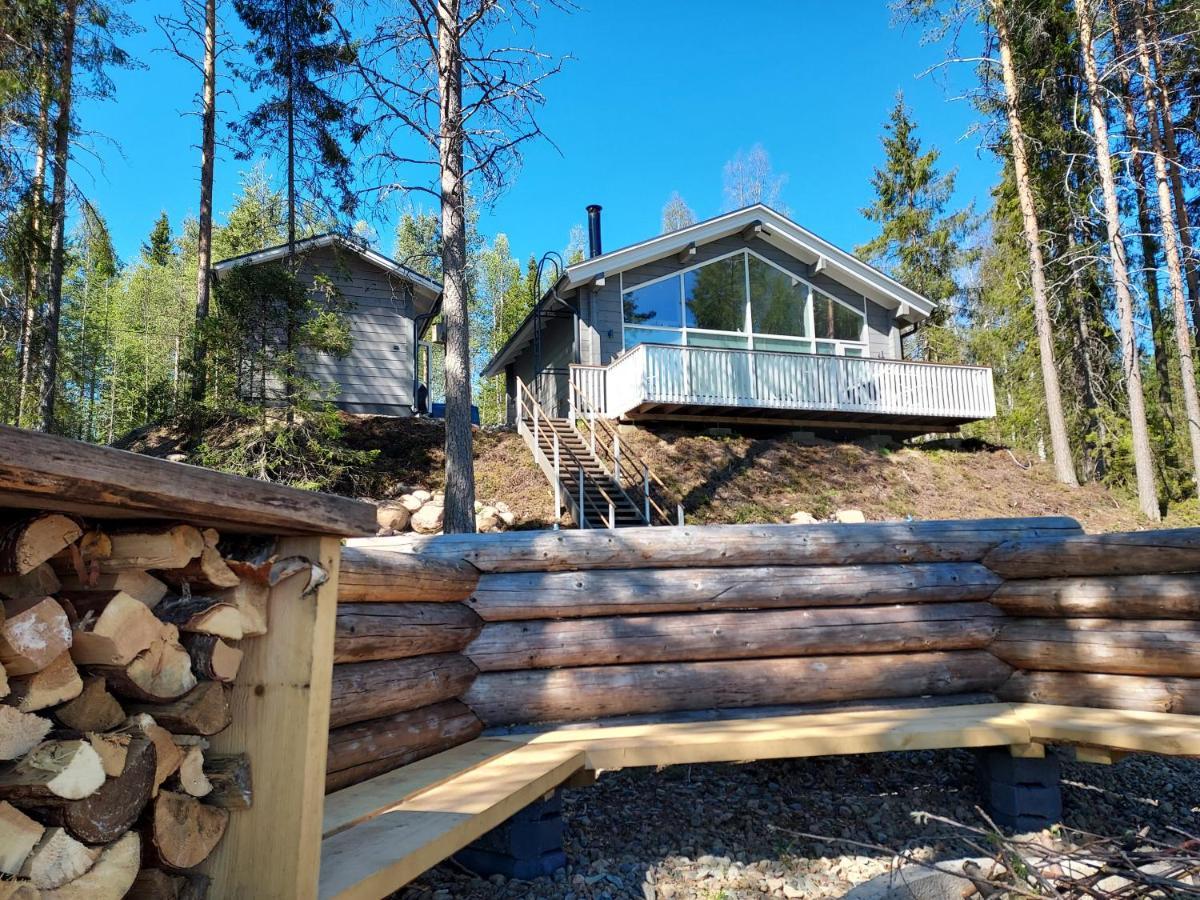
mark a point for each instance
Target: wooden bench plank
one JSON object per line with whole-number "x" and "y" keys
{"x": 378, "y": 856}
{"x": 1168, "y": 734}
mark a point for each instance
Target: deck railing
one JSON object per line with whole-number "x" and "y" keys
{"x": 704, "y": 376}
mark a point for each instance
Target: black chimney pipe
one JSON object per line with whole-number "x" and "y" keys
{"x": 593, "y": 212}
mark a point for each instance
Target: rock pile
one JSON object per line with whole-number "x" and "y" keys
{"x": 801, "y": 517}
{"x": 422, "y": 511}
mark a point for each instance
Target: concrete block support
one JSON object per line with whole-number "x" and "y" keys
{"x": 1020, "y": 794}
{"x": 528, "y": 845}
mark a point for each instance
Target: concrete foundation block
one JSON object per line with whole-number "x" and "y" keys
{"x": 527, "y": 845}
{"x": 484, "y": 862}
{"x": 997, "y": 764}
{"x": 1020, "y": 794}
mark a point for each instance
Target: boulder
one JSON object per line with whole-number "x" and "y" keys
{"x": 487, "y": 519}
{"x": 177, "y": 457}
{"x": 427, "y": 519}
{"x": 507, "y": 516}
{"x": 501, "y": 506}
{"x": 411, "y": 503}
{"x": 392, "y": 514}
{"x": 800, "y": 517}
{"x": 438, "y": 497}
{"x": 849, "y": 516}
{"x": 423, "y": 495}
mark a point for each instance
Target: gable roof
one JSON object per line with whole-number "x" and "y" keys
{"x": 424, "y": 288}
{"x": 774, "y": 228}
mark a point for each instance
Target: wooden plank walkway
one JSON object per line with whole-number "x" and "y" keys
{"x": 383, "y": 833}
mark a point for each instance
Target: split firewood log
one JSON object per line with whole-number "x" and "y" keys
{"x": 109, "y": 812}
{"x": 113, "y": 750}
{"x": 211, "y": 536}
{"x": 20, "y": 732}
{"x": 250, "y": 598}
{"x": 204, "y": 710}
{"x": 52, "y": 771}
{"x": 167, "y": 754}
{"x": 41, "y": 581}
{"x": 27, "y": 542}
{"x": 190, "y": 779}
{"x": 4, "y": 688}
{"x": 58, "y": 683}
{"x": 183, "y": 831}
{"x": 207, "y": 572}
{"x": 19, "y": 890}
{"x": 250, "y": 556}
{"x": 19, "y": 834}
{"x": 58, "y": 859}
{"x": 160, "y": 673}
{"x": 95, "y": 709}
{"x": 229, "y": 775}
{"x": 110, "y": 878}
{"x": 201, "y": 614}
{"x": 137, "y": 584}
{"x": 153, "y": 547}
{"x": 123, "y": 628}
{"x": 34, "y": 633}
{"x": 156, "y": 884}
{"x": 212, "y": 658}
{"x": 85, "y": 554}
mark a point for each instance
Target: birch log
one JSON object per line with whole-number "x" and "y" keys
{"x": 555, "y": 695}
{"x": 552, "y": 595}
{"x": 545, "y": 644}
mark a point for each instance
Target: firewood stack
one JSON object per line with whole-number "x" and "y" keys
{"x": 118, "y": 646}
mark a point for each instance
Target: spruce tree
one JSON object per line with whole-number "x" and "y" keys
{"x": 920, "y": 243}
{"x": 157, "y": 249}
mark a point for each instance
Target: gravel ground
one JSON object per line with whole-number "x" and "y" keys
{"x": 706, "y": 831}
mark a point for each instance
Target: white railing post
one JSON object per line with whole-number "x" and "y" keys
{"x": 646, "y": 493}
{"x": 617, "y": 456}
{"x": 557, "y": 484}
{"x": 612, "y": 515}
{"x": 582, "y": 514}
{"x": 592, "y": 427}
{"x": 679, "y": 513}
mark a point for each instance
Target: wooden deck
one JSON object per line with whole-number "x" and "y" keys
{"x": 382, "y": 833}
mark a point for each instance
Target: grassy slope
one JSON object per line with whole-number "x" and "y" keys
{"x": 741, "y": 479}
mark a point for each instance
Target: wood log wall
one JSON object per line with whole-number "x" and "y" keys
{"x": 120, "y": 649}
{"x": 441, "y": 637}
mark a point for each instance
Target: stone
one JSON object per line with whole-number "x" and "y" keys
{"x": 800, "y": 517}
{"x": 423, "y": 495}
{"x": 502, "y": 506}
{"x": 411, "y": 502}
{"x": 428, "y": 519}
{"x": 508, "y": 517}
{"x": 849, "y": 516}
{"x": 393, "y": 515}
{"x": 478, "y": 505}
{"x": 176, "y": 457}
{"x": 487, "y": 519}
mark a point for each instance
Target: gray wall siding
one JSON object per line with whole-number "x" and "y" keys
{"x": 377, "y": 375}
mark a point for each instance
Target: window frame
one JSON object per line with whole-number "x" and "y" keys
{"x": 749, "y": 335}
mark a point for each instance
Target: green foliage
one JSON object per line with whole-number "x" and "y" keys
{"x": 157, "y": 249}
{"x": 920, "y": 243}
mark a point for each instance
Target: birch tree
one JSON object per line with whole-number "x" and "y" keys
{"x": 1143, "y": 460}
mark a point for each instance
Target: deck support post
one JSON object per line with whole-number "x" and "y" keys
{"x": 1020, "y": 793}
{"x": 527, "y": 846}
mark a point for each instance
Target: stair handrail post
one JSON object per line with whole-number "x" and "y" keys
{"x": 582, "y": 515}
{"x": 557, "y": 485}
{"x": 617, "y": 456}
{"x": 679, "y": 513}
{"x": 646, "y": 493}
{"x": 612, "y": 515}
{"x": 592, "y": 426}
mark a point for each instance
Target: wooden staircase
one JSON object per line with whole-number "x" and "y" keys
{"x": 601, "y": 485}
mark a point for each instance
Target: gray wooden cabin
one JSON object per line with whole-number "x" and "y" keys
{"x": 390, "y": 310}
{"x": 745, "y": 318}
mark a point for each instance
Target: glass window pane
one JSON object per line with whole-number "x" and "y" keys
{"x": 852, "y": 351}
{"x": 827, "y": 349}
{"x": 714, "y": 295}
{"x": 776, "y": 300}
{"x": 655, "y": 304}
{"x": 835, "y": 321}
{"x": 779, "y": 345}
{"x": 727, "y": 341}
{"x": 635, "y": 336}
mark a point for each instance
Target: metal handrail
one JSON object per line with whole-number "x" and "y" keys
{"x": 584, "y": 409}
{"x": 536, "y": 410}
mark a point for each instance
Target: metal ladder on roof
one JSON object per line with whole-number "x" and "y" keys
{"x": 592, "y": 475}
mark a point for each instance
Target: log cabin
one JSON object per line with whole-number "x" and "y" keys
{"x": 389, "y": 309}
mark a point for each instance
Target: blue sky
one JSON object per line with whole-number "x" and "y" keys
{"x": 657, "y": 96}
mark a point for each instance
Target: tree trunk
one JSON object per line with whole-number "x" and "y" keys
{"x": 58, "y": 213}
{"x": 207, "y": 150}
{"x": 460, "y": 469}
{"x": 1171, "y": 248}
{"x": 1137, "y": 168}
{"x": 289, "y": 376}
{"x": 30, "y": 300}
{"x": 1143, "y": 459}
{"x": 1171, "y": 146}
{"x": 1063, "y": 463}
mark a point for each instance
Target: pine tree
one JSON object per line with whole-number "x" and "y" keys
{"x": 920, "y": 243}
